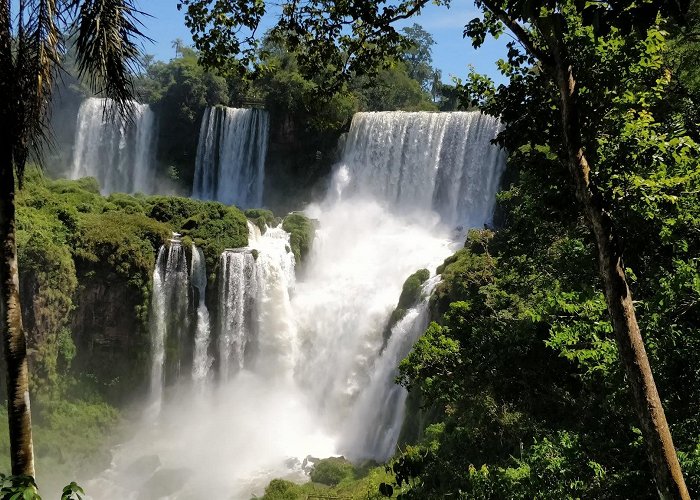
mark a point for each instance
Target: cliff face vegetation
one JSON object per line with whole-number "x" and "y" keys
{"x": 87, "y": 263}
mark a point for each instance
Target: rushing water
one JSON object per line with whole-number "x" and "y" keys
{"x": 169, "y": 321}
{"x": 202, "y": 360}
{"x": 420, "y": 162}
{"x": 230, "y": 165}
{"x": 238, "y": 287}
{"x": 303, "y": 366}
{"x": 118, "y": 152}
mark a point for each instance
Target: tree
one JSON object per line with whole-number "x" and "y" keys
{"x": 548, "y": 46}
{"x": 177, "y": 44}
{"x": 419, "y": 56}
{"x": 436, "y": 85}
{"x": 354, "y": 35}
{"x": 32, "y": 44}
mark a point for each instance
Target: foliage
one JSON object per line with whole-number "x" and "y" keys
{"x": 521, "y": 361}
{"x": 361, "y": 482}
{"x": 179, "y": 91}
{"x": 25, "y": 488}
{"x": 301, "y": 235}
{"x": 419, "y": 57}
{"x": 262, "y": 218}
{"x": 332, "y": 471}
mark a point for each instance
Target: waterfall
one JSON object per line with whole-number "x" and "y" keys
{"x": 238, "y": 288}
{"x": 169, "y": 303}
{"x": 383, "y": 402}
{"x": 303, "y": 364}
{"x": 418, "y": 162}
{"x": 118, "y": 152}
{"x": 256, "y": 327}
{"x": 276, "y": 349}
{"x": 198, "y": 274}
{"x": 230, "y": 163}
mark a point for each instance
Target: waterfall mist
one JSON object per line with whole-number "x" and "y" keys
{"x": 302, "y": 366}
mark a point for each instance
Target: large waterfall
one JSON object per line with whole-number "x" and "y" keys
{"x": 303, "y": 364}
{"x": 417, "y": 162}
{"x": 117, "y": 151}
{"x": 230, "y": 165}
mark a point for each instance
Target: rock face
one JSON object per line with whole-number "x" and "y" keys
{"x": 110, "y": 329}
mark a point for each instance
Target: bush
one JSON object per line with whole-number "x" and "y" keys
{"x": 302, "y": 232}
{"x": 331, "y": 471}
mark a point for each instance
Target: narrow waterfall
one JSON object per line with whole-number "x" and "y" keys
{"x": 169, "y": 321}
{"x": 417, "y": 162}
{"x": 230, "y": 164}
{"x": 202, "y": 359}
{"x": 256, "y": 330}
{"x": 383, "y": 402}
{"x": 276, "y": 349}
{"x": 117, "y": 152}
{"x": 238, "y": 288}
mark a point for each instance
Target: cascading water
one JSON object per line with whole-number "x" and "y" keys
{"x": 168, "y": 314}
{"x": 198, "y": 275}
{"x": 238, "y": 288}
{"x": 418, "y": 162}
{"x": 305, "y": 369}
{"x": 230, "y": 164}
{"x": 119, "y": 153}
{"x": 382, "y": 401}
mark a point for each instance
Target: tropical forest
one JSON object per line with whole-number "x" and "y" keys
{"x": 342, "y": 249}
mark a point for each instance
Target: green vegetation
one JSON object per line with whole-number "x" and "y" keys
{"x": 79, "y": 253}
{"x": 301, "y": 235}
{"x": 410, "y": 295}
{"x": 210, "y": 225}
{"x": 332, "y": 471}
{"x": 332, "y": 478}
{"x": 521, "y": 361}
{"x": 262, "y": 218}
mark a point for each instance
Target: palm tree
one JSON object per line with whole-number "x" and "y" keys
{"x": 32, "y": 43}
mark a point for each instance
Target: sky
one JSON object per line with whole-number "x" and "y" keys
{"x": 452, "y": 54}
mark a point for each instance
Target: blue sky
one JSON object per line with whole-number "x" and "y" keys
{"x": 451, "y": 54}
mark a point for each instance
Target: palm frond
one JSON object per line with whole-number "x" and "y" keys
{"x": 39, "y": 48}
{"x": 107, "y": 53}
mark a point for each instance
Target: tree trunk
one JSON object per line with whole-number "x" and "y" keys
{"x": 14, "y": 341}
{"x": 655, "y": 430}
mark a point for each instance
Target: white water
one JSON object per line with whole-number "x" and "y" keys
{"x": 302, "y": 370}
{"x": 418, "y": 162}
{"x": 238, "y": 285}
{"x": 230, "y": 164}
{"x": 382, "y": 401}
{"x": 202, "y": 359}
{"x": 118, "y": 153}
{"x": 168, "y": 313}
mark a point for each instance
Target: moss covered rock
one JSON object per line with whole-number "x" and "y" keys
{"x": 302, "y": 232}
{"x": 410, "y": 295}
{"x": 262, "y": 218}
